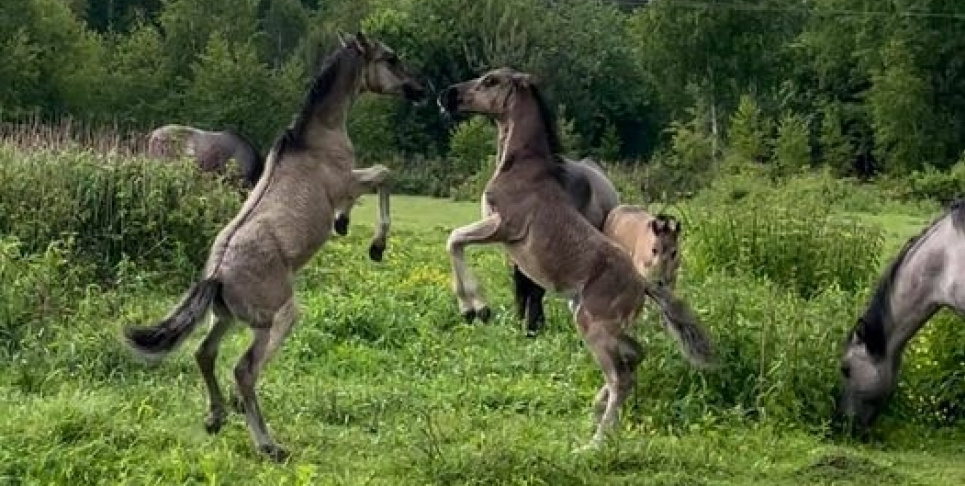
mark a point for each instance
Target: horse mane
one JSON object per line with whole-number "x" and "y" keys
{"x": 871, "y": 325}
{"x": 321, "y": 87}
{"x": 549, "y": 121}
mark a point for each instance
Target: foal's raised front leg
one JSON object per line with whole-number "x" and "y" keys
{"x": 486, "y": 230}
{"x": 375, "y": 177}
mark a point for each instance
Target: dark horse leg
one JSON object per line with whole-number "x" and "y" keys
{"x": 529, "y": 301}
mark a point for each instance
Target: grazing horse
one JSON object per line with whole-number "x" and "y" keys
{"x": 210, "y": 150}
{"x": 652, "y": 241}
{"x": 251, "y": 268}
{"x": 532, "y": 216}
{"x": 924, "y": 277}
{"x": 593, "y": 195}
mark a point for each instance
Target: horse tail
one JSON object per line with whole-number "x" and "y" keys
{"x": 683, "y": 325}
{"x": 162, "y": 338}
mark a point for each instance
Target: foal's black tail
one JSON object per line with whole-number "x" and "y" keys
{"x": 165, "y": 336}
{"x": 683, "y": 325}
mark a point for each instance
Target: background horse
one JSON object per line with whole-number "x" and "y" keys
{"x": 532, "y": 216}
{"x": 210, "y": 150}
{"x": 927, "y": 275}
{"x": 249, "y": 275}
{"x": 594, "y": 196}
{"x": 651, "y": 241}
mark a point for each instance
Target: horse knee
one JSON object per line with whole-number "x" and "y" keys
{"x": 630, "y": 352}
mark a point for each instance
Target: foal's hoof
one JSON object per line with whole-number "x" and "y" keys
{"x": 482, "y": 314}
{"x": 274, "y": 452}
{"x": 213, "y": 423}
{"x": 341, "y": 225}
{"x": 375, "y": 252}
{"x": 533, "y": 328}
{"x": 237, "y": 404}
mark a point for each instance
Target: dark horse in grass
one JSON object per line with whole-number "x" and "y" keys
{"x": 250, "y": 272}
{"x": 928, "y": 274}
{"x": 210, "y": 150}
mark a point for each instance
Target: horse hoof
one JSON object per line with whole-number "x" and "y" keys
{"x": 274, "y": 452}
{"x": 484, "y": 314}
{"x": 237, "y": 403}
{"x": 469, "y": 316}
{"x": 376, "y": 251}
{"x": 213, "y": 423}
{"x": 341, "y": 225}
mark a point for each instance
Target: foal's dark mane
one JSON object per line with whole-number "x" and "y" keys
{"x": 549, "y": 121}
{"x": 293, "y": 137}
{"x": 871, "y": 325}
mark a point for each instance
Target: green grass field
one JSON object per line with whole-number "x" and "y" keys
{"x": 381, "y": 383}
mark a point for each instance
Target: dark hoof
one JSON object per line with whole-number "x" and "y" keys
{"x": 469, "y": 316}
{"x": 534, "y": 327}
{"x": 376, "y": 251}
{"x": 484, "y": 314}
{"x": 237, "y": 403}
{"x": 341, "y": 225}
{"x": 213, "y": 423}
{"x": 274, "y": 452}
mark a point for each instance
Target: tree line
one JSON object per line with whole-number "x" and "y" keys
{"x": 863, "y": 86}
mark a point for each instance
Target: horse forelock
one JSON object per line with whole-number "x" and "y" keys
{"x": 321, "y": 87}
{"x": 872, "y": 324}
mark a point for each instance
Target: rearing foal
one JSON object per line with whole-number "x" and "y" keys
{"x": 554, "y": 245}
{"x": 251, "y": 268}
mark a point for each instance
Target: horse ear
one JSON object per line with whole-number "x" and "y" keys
{"x": 673, "y": 225}
{"x": 656, "y": 225}
{"x": 341, "y": 38}
{"x": 523, "y": 79}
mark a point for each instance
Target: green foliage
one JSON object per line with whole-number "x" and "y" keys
{"x": 472, "y": 155}
{"x": 783, "y": 234}
{"x": 161, "y": 216}
{"x": 792, "y": 148}
{"x": 837, "y": 150}
{"x": 371, "y": 125}
{"x": 943, "y": 186}
{"x": 750, "y": 133}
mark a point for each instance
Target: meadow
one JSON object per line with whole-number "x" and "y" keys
{"x": 382, "y": 383}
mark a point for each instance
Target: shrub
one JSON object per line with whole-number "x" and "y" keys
{"x": 36, "y": 288}
{"x": 162, "y": 217}
{"x": 780, "y": 233}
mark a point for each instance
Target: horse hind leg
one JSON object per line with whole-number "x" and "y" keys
{"x": 264, "y": 346}
{"x": 206, "y": 357}
{"x": 618, "y": 356}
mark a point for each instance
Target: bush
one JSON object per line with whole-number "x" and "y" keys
{"x": 161, "y": 217}
{"x": 781, "y": 233}
{"x": 36, "y": 288}
{"x": 942, "y": 186}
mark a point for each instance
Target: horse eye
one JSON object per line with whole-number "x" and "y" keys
{"x": 655, "y": 251}
{"x": 846, "y": 370}
{"x": 673, "y": 254}
{"x": 489, "y": 82}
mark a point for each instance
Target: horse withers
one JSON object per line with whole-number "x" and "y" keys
{"x": 651, "y": 240}
{"x": 532, "y": 216}
{"x": 925, "y": 276}
{"x": 210, "y": 150}
{"x": 250, "y": 272}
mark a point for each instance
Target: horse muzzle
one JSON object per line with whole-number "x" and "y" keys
{"x": 448, "y": 100}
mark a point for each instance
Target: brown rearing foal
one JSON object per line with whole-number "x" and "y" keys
{"x": 555, "y": 246}
{"x": 309, "y": 178}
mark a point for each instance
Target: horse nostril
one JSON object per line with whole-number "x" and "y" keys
{"x": 846, "y": 370}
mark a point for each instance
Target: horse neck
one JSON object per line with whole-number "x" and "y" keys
{"x": 913, "y": 297}
{"x": 523, "y": 133}
{"x": 330, "y": 113}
